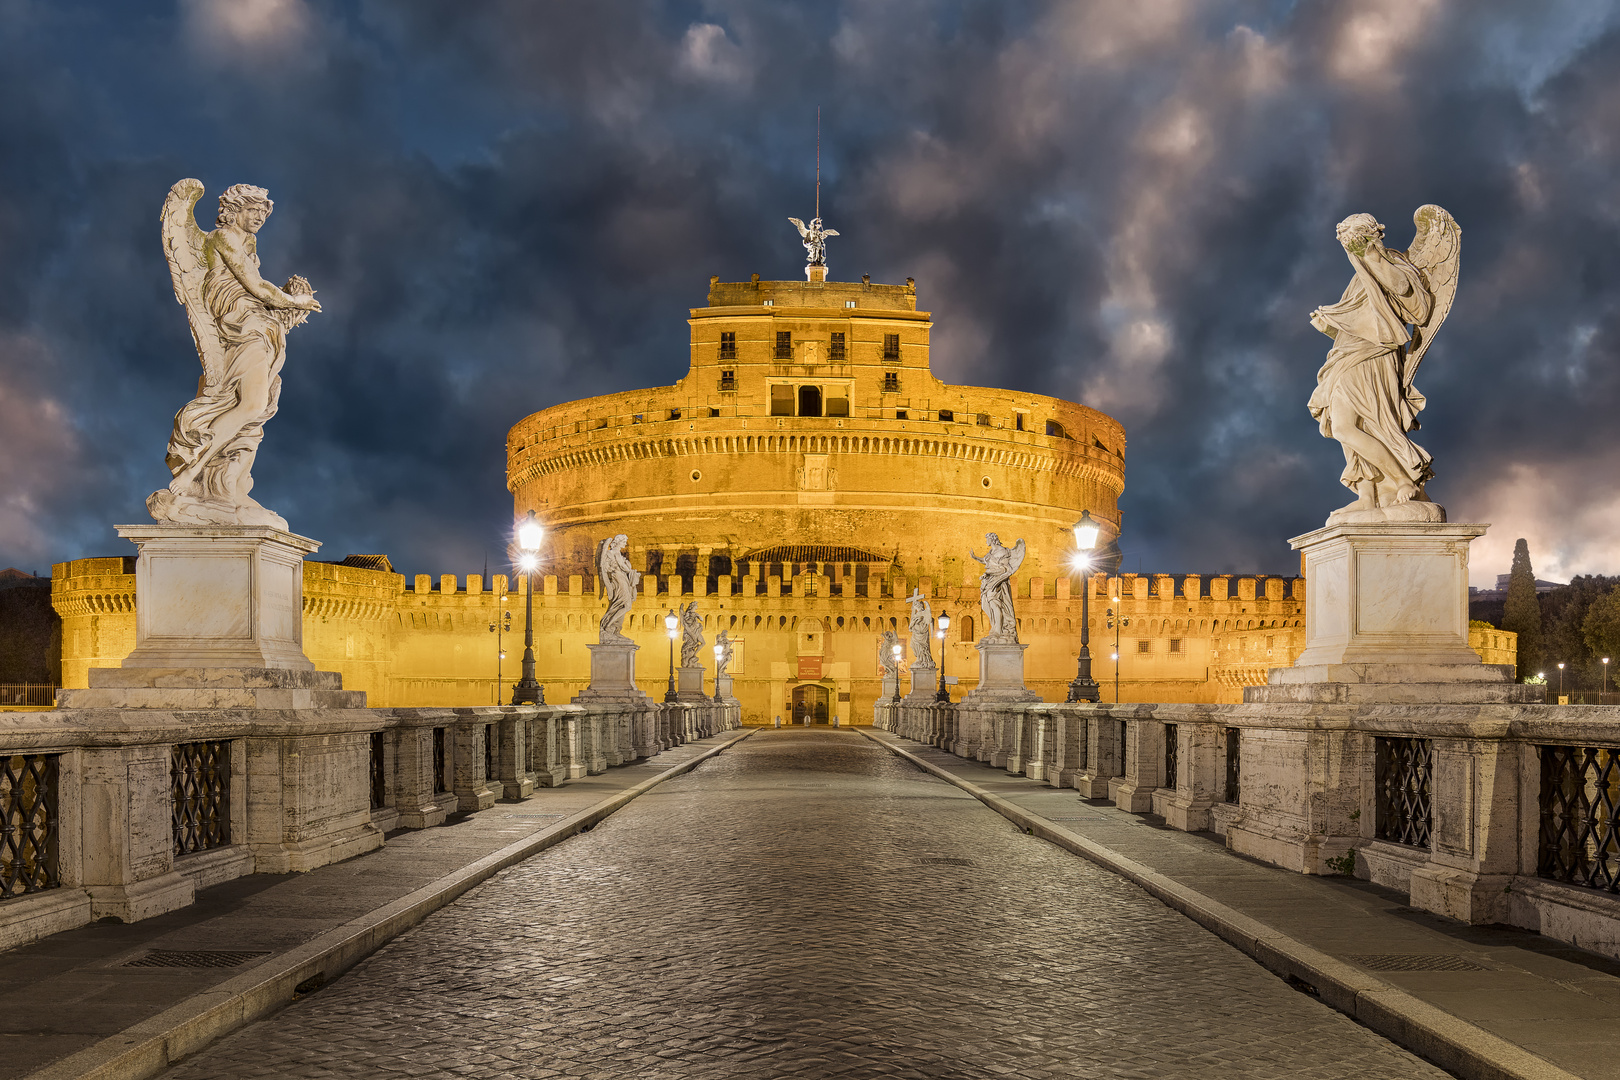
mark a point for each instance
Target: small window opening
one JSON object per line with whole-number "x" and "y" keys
{"x": 891, "y": 382}
{"x": 891, "y": 346}
{"x": 728, "y": 345}
{"x": 946, "y": 416}
{"x": 784, "y": 345}
{"x": 835, "y": 350}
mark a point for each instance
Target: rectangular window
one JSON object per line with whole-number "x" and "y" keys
{"x": 728, "y": 345}
{"x": 1175, "y": 644}
{"x": 1018, "y": 421}
{"x": 891, "y": 382}
{"x": 946, "y": 416}
{"x": 784, "y": 345}
{"x": 781, "y": 401}
{"x": 900, "y": 414}
{"x": 768, "y": 303}
{"x": 838, "y": 406}
{"x": 891, "y": 346}
{"x": 1144, "y": 645}
{"x": 849, "y": 303}
{"x": 835, "y": 351}
{"x": 983, "y": 419}
{"x": 728, "y": 379}
{"x": 674, "y": 414}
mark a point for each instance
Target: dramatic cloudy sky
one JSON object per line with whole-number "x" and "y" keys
{"x": 505, "y": 204}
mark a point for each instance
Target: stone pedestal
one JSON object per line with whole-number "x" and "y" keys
{"x": 1001, "y": 674}
{"x": 689, "y": 685}
{"x": 613, "y": 674}
{"x": 891, "y": 686}
{"x": 1387, "y": 621}
{"x": 722, "y": 689}
{"x": 218, "y": 597}
{"x": 924, "y": 683}
{"x": 212, "y": 688}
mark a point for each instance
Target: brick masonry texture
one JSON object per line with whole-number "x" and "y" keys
{"x": 799, "y": 907}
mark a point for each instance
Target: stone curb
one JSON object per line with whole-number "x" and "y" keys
{"x": 1437, "y": 1036}
{"x": 151, "y": 1046}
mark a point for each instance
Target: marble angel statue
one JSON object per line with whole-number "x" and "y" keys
{"x": 239, "y": 323}
{"x": 922, "y": 629}
{"x": 723, "y": 657}
{"x": 691, "y": 635}
{"x": 619, "y": 582}
{"x": 886, "y": 657}
{"x": 815, "y": 240}
{"x": 995, "y": 590}
{"x": 1381, "y": 327}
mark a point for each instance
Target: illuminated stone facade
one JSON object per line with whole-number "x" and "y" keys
{"x": 804, "y": 477}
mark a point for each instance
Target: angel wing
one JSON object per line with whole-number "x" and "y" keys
{"x": 603, "y": 571}
{"x": 183, "y": 246}
{"x": 1434, "y": 251}
{"x": 803, "y": 230}
{"x": 1017, "y": 559}
{"x": 829, "y": 232}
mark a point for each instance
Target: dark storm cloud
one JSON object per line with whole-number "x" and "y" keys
{"x": 508, "y": 205}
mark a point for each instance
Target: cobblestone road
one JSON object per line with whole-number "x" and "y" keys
{"x": 806, "y": 905}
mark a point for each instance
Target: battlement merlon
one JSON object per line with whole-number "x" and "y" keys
{"x": 811, "y": 294}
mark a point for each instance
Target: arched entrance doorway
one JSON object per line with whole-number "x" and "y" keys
{"x": 812, "y": 702}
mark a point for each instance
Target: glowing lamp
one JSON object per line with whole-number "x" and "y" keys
{"x": 529, "y": 535}
{"x": 1085, "y": 531}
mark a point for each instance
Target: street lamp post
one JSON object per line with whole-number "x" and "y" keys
{"x": 899, "y": 651}
{"x": 1605, "y": 689}
{"x": 1084, "y": 687}
{"x": 1560, "y": 680}
{"x": 500, "y": 628}
{"x": 528, "y": 690}
{"x": 943, "y": 696}
{"x": 718, "y": 649}
{"x": 670, "y": 622}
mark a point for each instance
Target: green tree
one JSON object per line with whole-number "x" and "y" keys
{"x": 1522, "y": 611}
{"x": 1601, "y": 628}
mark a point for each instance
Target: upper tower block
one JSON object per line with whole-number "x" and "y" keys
{"x": 838, "y": 295}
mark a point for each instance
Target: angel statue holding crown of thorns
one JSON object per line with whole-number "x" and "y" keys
{"x": 1381, "y": 327}
{"x": 239, "y": 323}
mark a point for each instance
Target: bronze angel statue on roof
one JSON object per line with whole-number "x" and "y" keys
{"x": 1381, "y": 327}
{"x": 239, "y": 323}
{"x": 815, "y": 240}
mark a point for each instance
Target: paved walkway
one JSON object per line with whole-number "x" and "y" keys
{"x": 1552, "y": 1001}
{"x": 69, "y": 1006}
{"x": 807, "y": 904}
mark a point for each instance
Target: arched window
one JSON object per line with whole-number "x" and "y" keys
{"x": 809, "y": 401}
{"x": 967, "y": 628}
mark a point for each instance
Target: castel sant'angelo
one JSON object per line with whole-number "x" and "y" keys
{"x": 805, "y": 476}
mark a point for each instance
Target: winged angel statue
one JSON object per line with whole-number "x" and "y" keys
{"x": 815, "y": 240}
{"x": 619, "y": 582}
{"x": 995, "y": 589}
{"x": 240, "y": 323}
{"x": 1381, "y": 327}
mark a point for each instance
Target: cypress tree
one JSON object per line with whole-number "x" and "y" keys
{"x": 1522, "y": 611}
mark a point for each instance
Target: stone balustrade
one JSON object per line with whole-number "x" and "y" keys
{"x": 1486, "y": 813}
{"x": 128, "y": 812}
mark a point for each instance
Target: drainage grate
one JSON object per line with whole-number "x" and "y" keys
{"x": 946, "y": 862}
{"x": 1408, "y": 962}
{"x": 196, "y": 958}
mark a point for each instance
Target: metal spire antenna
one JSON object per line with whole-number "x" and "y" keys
{"x": 814, "y": 235}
